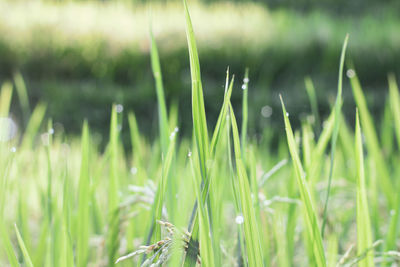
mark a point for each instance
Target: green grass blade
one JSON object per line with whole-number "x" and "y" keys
{"x": 308, "y": 210}
{"x": 162, "y": 107}
{"x": 198, "y": 111}
{"x": 245, "y": 111}
{"x": 394, "y": 98}
{"x": 113, "y": 186}
{"x": 372, "y": 142}
{"x": 82, "y": 247}
{"x": 312, "y": 96}
{"x": 33, "y": 126}
{"x": 199, "y": 126}
{"x": 7, "y": 245}
{"x": 22, "y": 95}
{"x": 27, "y": 258}
{"x": 364, "y": 235}
{"x": 338, "y": 106}
{"x": 206, "y": 248}
{"x": 159, "y": 199}
{"x": 252, "y": 238}
{"x": 5, "y": 99}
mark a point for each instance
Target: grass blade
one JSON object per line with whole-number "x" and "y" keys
{"x": 33, "y": 126}
{"x": 338, "y": 106}
{"x": 364, "y": 235}
{"x": 162, "y": 107}
{"x": 394, "y": 98}
{"x": 371, "y": 138}
{"x": 312, "y": 96}
{"x": 245, "y": 111}
{"x": 82, "y": 247}
{"x": 252, "y": 238}
{"x": 22, "y": 95}
{"x": 22, "y": 246}
{"x": 310, "y": 217}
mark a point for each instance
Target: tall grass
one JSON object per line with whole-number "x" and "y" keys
{"x": 66, "y": 202}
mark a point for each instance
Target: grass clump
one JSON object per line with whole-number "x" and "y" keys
{"x": 218, "y": 200}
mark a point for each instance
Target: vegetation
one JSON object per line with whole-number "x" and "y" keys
{"x": 78, "y": 66}
{"x": 221, "y": 198}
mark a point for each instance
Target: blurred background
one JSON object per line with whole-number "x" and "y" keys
{"x": 79, "y": 57}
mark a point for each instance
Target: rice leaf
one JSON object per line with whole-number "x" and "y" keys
{"x": 82, "y": 247}
{"x": 6, "y": 243}
{"x": 364, "y": 235}
{"x": 245, "y": 111}
{"x": 162, "y": 107}
{"x": 312, "y": 96}
{"x": 25, "y": 253}
{"x": 309, "y": 214}
{"x": 5, "y": 99}
{"x": 22, "y": 95}
{"x": 338, "y": 106}
{"x": 394, "y": 98}
{"x": 206, "y": 247}
{"x": 33, "y": 126}
{"x": 372, "y": 142}
{"x": 113, "y": 186}
{"x": 251, "y": 235}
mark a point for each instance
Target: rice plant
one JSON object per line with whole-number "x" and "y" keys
{"x": 221, "y": 196}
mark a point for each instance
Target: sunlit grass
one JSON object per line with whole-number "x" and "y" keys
{"x": 216, "y": 199}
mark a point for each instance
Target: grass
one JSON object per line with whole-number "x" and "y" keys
{"x": 217, "y": 200}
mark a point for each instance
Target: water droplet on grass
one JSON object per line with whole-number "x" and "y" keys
{"x": 239, "y": 219}
{"x": 119, "y": 108}
{"x": 244, "y": 87}
{"x": 246, "y": 80}
{"x": 350, "y": 73}
{"x": 13, "y": 149}
{"x": 134, "y": 170}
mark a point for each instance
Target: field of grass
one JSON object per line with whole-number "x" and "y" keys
{"x": 324, "y": 195}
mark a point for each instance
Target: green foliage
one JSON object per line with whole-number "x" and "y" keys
{"x": 364, "y": 234}
{"x": 77, "y": 204}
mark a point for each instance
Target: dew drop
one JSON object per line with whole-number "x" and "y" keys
{"x": 119, "y": 108}
{"x": 287, "y": 114}
{"x": 239, "y": 219}
{"x": 244, "y": 87}
{"x": 350, "y": 73}
{"x": 189, "y": 154}
{"x": 266, "y": 111}
{"x": 246, "y": 80}
{"x": 134, "y": 170}
{"x": 13, "y": 149}
{"x": 51, "y": 131}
